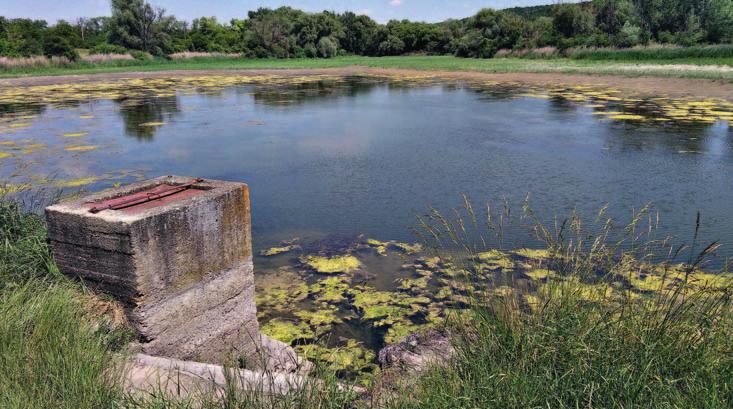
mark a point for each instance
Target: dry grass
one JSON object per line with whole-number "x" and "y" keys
{"x": 97, "y": 58}
{"x": 29, "y": 62}
{"x": 197, "y": 54}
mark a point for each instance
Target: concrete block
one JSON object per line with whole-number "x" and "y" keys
{"x": 181, "y": 265}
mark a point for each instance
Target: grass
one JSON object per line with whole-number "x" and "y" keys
{"x": 431, "y": 63}
{"x": 585, "y": 339}
{"x": 712, "y": 52}
{"x": 52, "y": 356}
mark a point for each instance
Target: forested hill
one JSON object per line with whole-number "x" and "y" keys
{"x": 137, "y": 27}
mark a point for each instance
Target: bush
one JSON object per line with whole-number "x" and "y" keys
{"x": 327, "y": 47}
{"x": 140, "y": 55}
{"x": 57, "y": 46}
{"x": 629, "y": 35}
{"x": 310, "y": 50}
{"x": 106, "y": 48}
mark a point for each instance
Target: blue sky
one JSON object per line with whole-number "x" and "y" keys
{"x": 380, "y": 10}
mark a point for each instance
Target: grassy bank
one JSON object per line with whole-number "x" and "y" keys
{"x": 709, "y": 67}
{"x": 596, "y": 326}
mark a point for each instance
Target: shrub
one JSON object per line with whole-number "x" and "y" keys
{"x": 310, "y": 50}
{"x": 327, "y": 47}
{"x": 57, "y": 46}
{"x": 140, "y": 55}
{"x": 629, "y": 35}
{"x": 106, "y": 48}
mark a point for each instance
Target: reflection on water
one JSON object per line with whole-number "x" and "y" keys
{"x": 329, "y": 157}
{"x": 142, "y": 117}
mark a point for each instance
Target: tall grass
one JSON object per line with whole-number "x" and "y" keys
{"x": 652, "y": 53}
{"x": 50, "y": 353}
{"x": 585, "y": 338}
{"x": 23, "y": 250}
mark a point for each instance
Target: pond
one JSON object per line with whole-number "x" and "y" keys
{"x": 334, "y": 161}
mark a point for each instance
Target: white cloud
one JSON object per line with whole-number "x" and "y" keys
{"x": 363, "y": 12}
{"x": 395, "y": 2}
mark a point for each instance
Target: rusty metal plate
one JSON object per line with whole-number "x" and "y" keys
{"x": 149, "y": 198}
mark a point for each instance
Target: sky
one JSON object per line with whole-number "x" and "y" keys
{"x": 380, "y": 10}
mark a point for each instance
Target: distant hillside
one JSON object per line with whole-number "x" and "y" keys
{"x": 533, "y": 12}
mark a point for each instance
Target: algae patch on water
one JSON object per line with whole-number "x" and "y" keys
{"x": 287, "y": 331}
{"x": 332, "y": 265}
{"x": 80, "y": 148}
{"x": 75, "y": 134}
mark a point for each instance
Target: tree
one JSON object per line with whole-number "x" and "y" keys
{"x": 327, "y": 47}
{"x": 717, "y": 19}
{"x": 138, "y": 25}
{"x": 392, "y": 45}
{"x": 572, "y": 20}
{"x": 612, "y": 15}
{"x": 359, "y": 32}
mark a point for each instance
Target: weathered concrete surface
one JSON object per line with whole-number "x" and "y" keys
{"x": 149, "y": 376}
{"x": 183, "y": 270}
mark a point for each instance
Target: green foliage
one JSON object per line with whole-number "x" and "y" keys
{"x": 51, "y": 354}
{"x": 327, "y": 47}
{"x": 139, "y": 55}
{"x": 137, "y": 25}
{"x": 392, "y": 45}
{"x": 23, "y": 251}
{"x": 56, "y": 46}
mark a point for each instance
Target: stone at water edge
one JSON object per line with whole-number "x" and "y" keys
{"x": 416, "y": 352}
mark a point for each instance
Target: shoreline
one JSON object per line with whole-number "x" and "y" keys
{"x": 638, "y": 85}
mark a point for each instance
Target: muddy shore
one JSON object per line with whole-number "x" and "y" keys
{"x": 657, "y": 86}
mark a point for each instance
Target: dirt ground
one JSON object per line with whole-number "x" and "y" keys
{"x": 657, "y": 86}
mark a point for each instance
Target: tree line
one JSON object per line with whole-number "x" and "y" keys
{"x": 137, "y": 26}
